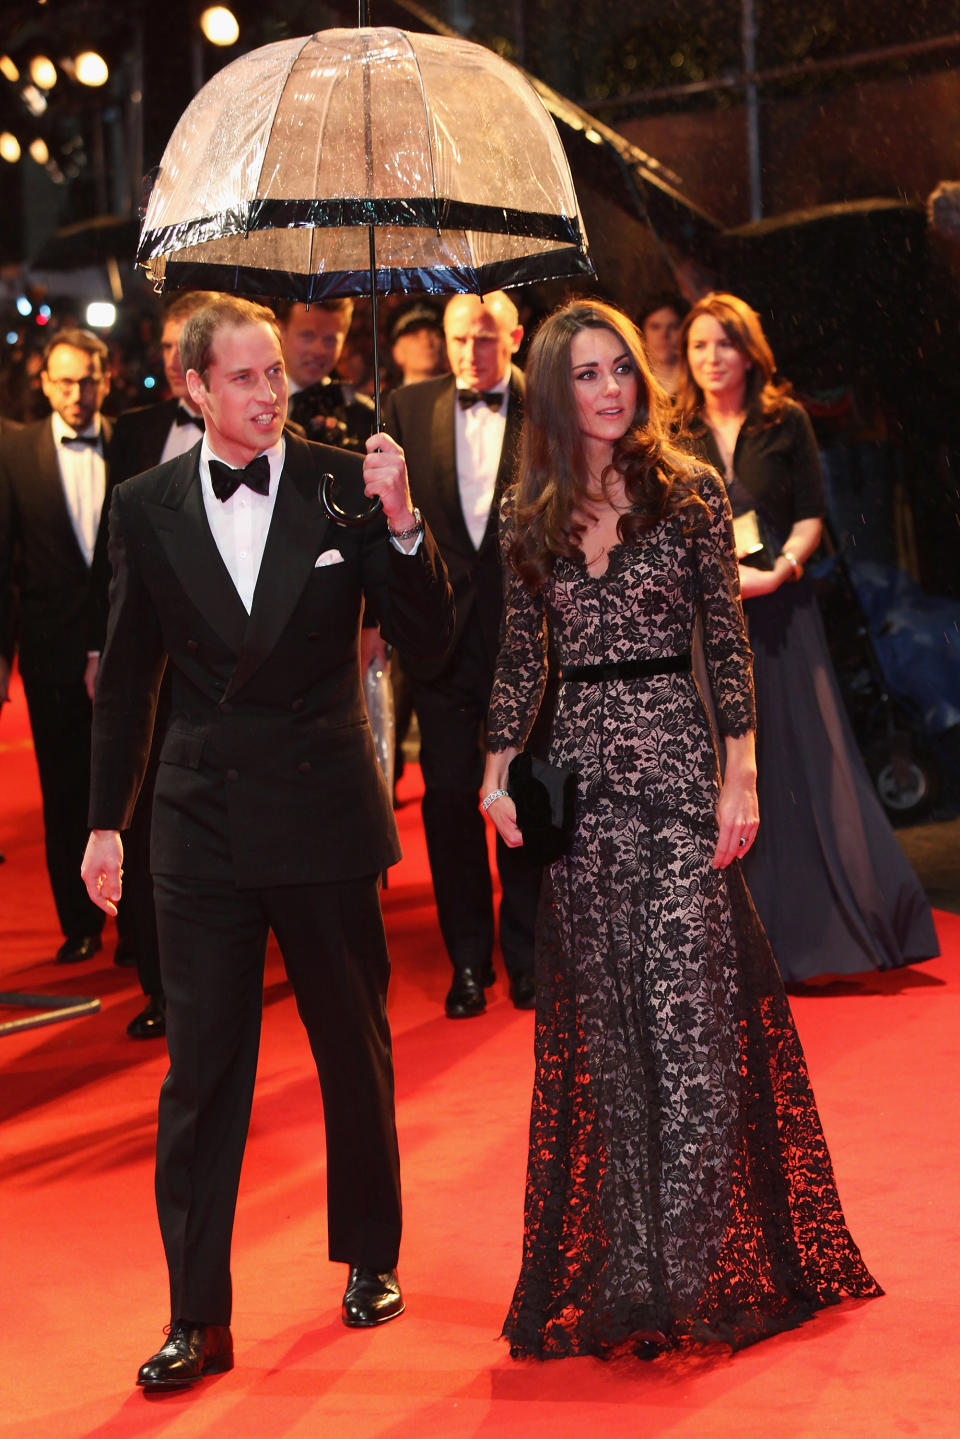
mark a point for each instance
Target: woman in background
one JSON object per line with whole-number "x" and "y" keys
{"x": 829, "y": 880}
{"x": 678, "y": 1185}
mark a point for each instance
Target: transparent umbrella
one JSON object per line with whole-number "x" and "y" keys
{"x": 358, "y": 162}
{"x": 285, "y": 159}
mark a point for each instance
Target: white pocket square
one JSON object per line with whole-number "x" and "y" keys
{"x": 329, "y": 557}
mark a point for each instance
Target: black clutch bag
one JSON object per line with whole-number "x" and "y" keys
{"x": 545, "y": 797}
{"x": 753, "y": 542}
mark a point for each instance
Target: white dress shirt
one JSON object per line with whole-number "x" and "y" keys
{"x": 240, "y": 525}
{"x": 83, "y": 475}
{"x": 479, "y": 433}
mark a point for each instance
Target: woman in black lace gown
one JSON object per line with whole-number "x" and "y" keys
{"x": 830, "y": 882}
{"x": 679, "y": 1186}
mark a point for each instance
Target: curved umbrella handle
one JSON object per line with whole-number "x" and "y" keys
{"x": 341, "y": 516}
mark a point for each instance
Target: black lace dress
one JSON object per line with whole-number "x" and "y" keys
{"x": 678, "y": 1185}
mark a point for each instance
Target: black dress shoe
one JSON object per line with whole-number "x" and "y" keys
{"x": 522, "y": 991}
{"x": 191, "y": 1351}
{"x": 72, "y": 951}
{"x": 466, "y": 997}
{"x": 151, "y": 1022}
{"x": 370, "y": 1297}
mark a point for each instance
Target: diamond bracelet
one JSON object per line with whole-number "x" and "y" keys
{"x": 492, "y": 798}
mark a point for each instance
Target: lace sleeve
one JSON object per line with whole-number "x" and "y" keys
{"x": 729, "y": 661}
{"x": 522, "y": 661}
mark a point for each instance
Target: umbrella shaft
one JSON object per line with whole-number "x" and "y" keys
{"x": 374, "y": 327}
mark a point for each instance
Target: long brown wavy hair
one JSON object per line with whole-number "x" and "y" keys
{"x": 765, "y": 397}
{"x": 658, "y": 479}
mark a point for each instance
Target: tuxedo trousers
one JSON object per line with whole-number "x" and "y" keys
{"x": 451, "y": 716}
{"x": 213, "y": 940}
{"x": 60, "y": 720}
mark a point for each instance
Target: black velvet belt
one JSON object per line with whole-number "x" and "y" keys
{"x": 626, "y": 669}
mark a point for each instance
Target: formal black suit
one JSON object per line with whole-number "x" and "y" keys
{"x": 43, "y": 571}
{"x": 452, "y": 706}
{"x": 269, "y": 811}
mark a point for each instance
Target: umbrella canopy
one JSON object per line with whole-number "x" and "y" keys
{"x": 283, "y": 162}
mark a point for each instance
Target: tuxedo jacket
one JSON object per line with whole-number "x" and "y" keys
{"x": 420, "y": 417}
{"x": 268, "y": 773}
{"x": 41, "y": 563}
{"x": 139, "y": 437}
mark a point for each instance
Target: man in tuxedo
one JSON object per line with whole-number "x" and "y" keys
{"x": 329, "y": 408}
{"x": 459, "y": 434}
{"x": 269, "y": 808}
{"x": 143, "y": 438}
{"x": 53, "y": 483}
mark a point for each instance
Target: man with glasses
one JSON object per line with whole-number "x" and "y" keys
{"x": 53, "y": 483}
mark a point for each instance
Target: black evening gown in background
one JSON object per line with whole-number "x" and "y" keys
{"x": 678, "y": 1186}
{"x": 831, "y": 884}
{"x": 834, "y": 889}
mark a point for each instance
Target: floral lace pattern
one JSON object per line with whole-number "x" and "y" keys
{"x": 679, "y": 1186}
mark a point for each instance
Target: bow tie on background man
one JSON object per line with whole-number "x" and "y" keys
{"x": 468, "y": 398}
{"x": 226, "y": 480}
{"x": 184, "y": 417}
{"x": 92, "y": 440}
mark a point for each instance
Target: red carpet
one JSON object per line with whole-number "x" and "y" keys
{"x": 82, "y": 1286}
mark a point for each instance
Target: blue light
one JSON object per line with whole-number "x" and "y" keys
{"x": 12, "y": 337}
{"x": 150, "y": 383}
{"x": 24, "y": 306}
{"x": 44, "y": 310}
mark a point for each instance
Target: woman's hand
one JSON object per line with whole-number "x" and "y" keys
{"x": 502, "y": 811}
{"x": 738, "y": 815}
{"x": 754, "y": 582}
{"x": 800, "y": 543}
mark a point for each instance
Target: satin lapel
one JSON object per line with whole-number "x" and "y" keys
{"x": 443, "y": 453}
{"x": 293, "y": 543}
{"x": 181, "y": 526}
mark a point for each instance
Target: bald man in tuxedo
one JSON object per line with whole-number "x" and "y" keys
{"x": 460, "y": 434}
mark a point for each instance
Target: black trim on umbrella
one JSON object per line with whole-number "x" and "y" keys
{"x": 334, "y": 284}
{"x": 417, "y": 213}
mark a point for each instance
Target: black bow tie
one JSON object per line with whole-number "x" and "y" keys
{"x": 184, "y": 417}
{"x": 468, "y": 398}
{"x": 92, "y": 440}
{"x": 226, "y": 480}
